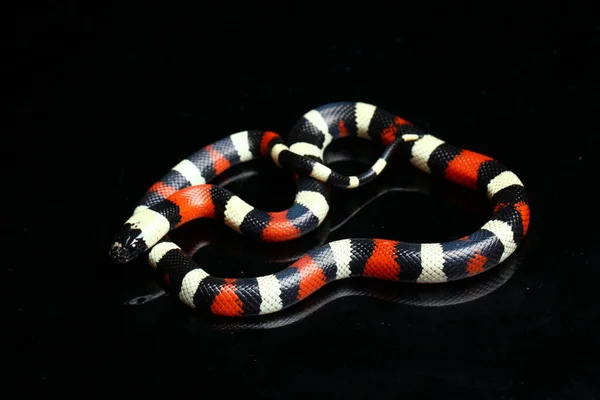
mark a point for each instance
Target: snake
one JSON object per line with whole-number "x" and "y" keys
{"x": 184, "y": 193}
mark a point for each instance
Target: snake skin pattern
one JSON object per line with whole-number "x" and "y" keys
{"x": 426, "y": 296}
{"x": 183, "y": 195}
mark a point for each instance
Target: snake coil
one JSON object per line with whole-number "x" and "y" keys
{"x": 184, "y": 194}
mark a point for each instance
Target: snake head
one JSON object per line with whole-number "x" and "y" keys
{"x": 128, "y": 244}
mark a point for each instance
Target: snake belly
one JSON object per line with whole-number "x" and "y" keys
{"x": 184, "y": 194}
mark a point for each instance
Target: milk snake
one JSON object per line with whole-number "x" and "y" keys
{"x": 183, "y": 194}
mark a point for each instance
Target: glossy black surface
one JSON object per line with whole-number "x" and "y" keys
{"x": 108, "y": 98}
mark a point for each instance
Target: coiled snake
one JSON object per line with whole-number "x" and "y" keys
{"x": 183, "y": 194}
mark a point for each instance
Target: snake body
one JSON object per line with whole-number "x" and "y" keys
{"x": 184, "y": 194}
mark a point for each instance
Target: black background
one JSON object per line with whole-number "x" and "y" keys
{"x": 103, "y": 99}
